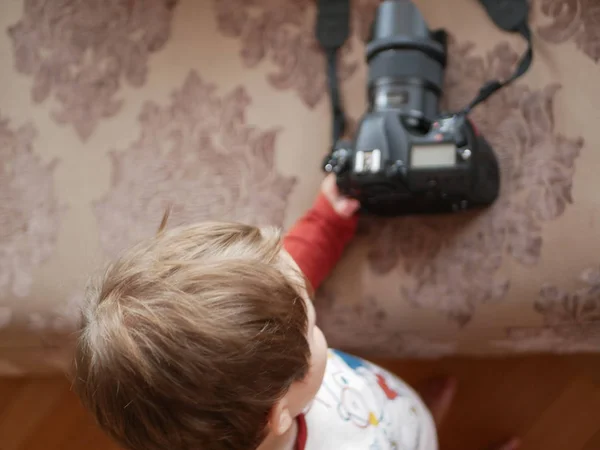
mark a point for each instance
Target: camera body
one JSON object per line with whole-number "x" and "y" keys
{"x": 394, "y": 171}
{"x": 406, "y": 157}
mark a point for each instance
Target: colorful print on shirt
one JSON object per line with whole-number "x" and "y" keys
{"x": 361, "y": 406}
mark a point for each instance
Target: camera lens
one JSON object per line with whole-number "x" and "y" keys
{"x": 406, "y": 62}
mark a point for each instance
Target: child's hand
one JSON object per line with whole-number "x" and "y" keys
{"x": 345, "y": 207}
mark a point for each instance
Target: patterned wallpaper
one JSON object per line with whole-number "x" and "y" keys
{"x": 80, "y": 54}
{"x": 110, "y": 111}
{"x": 198, "y": 156}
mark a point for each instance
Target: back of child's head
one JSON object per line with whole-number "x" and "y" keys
{"x": 190, "y": 338}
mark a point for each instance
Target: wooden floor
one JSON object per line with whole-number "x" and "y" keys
{"x": 552, "y": 403}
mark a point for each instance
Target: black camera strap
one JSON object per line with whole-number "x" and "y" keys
{"x": 511, "y": 16}
{"x": 333, "y": 29}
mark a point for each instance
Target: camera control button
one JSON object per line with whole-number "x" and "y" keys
{"x": 446, "y": 125}
{"x": 395, "y": 169}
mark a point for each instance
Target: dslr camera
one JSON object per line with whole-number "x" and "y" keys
{"x": 407, "y": 157}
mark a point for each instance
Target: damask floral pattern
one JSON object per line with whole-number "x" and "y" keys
{"x": 282, "y": 31}
{"x": 30, "y": 211}
{"x": 571, "y": 319}
{"x": 366, "y": 328}
{"x": 80, "y": 53}
{"x": 452, "y": 262}
{"x": 199, "y": 157}
{"x": 573, "y": 19}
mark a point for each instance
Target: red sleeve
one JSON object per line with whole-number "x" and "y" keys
{"x": 317, "y": 240}
{"x": 302, "y": 433}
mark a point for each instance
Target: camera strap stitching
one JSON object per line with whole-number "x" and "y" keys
{"x": 332, "y": 31}
{"x": 333, "y": 28}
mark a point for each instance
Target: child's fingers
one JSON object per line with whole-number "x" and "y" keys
{"x": 344, "y": 206}
{"x": 347, "y": 207}
{"x": 329, "y": 186}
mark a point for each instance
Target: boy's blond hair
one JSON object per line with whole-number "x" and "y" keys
{"x": 190, "y": 338}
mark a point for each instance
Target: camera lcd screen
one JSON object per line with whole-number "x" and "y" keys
{"x": 433, "y": 155}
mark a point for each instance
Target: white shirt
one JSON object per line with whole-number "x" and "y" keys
{"x": 361, "y": 406}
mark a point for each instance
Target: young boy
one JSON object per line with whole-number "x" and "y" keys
{"x": 204, "y": 337}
